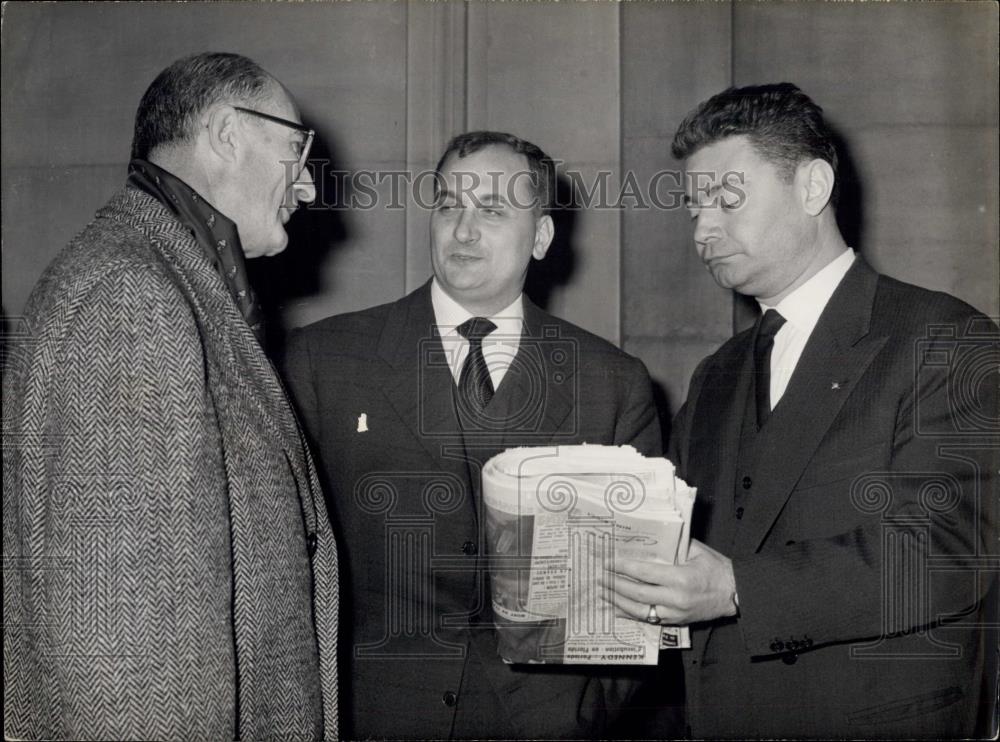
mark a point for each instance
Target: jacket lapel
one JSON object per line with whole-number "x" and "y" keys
{"x": 539, "y": 390}
{"x": 420, "y": 386}
{"x": 836, "y": 356}
{"x": 248, "y": 376}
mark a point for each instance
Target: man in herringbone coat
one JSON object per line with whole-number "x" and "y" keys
{"x": 169, "y": 568}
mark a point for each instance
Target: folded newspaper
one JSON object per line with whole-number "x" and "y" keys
{"x": 555, "y": 516}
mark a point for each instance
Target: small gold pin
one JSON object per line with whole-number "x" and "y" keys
{"x": 835, "y": 386}
{"x": 363, "y": 422}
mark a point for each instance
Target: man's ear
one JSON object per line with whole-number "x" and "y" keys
{"x": 544, "y": 231}
{"x": 816, "y": 181}
{"x": 222, "y": 133}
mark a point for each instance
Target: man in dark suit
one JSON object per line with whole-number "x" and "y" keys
{"x": 405, "y": 402}
{"x": 844, "y": 449}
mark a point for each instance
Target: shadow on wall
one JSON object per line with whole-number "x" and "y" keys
{"x": 556, "y": 269}
{"x": 314, "y": 234}
{"x": 850, "y": 211}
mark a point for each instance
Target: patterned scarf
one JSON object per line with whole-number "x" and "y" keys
{"x": 217, "y": 234}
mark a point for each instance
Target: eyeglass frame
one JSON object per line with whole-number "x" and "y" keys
{"x": 310, "y": 133}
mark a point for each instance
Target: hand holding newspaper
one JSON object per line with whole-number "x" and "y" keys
{"x": 555, "y": 517}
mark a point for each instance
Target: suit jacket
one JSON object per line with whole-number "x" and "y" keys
{"x": 377, "y": 397}
{"x": 861, "y": 528}
{"x": 169, "y": 568}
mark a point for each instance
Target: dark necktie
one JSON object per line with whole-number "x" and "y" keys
{"x": 474, "y": 384}
{"x": 770, "y": 323}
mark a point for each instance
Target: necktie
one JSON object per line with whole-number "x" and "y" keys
{"x": 474, "y": 383}
{"x": 770, "y": 323}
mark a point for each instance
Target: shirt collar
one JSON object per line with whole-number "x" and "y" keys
{"x": 802, "y": 307}
{"x": 449, "y": 314}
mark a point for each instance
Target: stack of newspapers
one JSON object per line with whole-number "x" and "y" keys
{"x": 557, "y": 518}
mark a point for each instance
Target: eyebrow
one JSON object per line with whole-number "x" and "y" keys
{"x": 710, "y": 193}
{"x": 492, "y": 199}
{"x": 488, "y": 199}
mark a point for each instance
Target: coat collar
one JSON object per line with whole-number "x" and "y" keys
{"x": 419, "y": 382}
{"x": 246, "y": 374}
{"x": 543, "y": 387}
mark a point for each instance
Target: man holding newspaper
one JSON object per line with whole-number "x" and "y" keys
{"x": 404, "y": 403}
{"x": 844, "y": 450}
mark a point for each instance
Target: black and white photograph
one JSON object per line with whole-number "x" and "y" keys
{"x": 501, "y": 369}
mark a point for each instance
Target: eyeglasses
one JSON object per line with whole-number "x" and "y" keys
{"x": 310, "y": 133}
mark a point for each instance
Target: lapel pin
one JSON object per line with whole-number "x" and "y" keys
{"x": 363, "y": 422}
{"x": 835, "y": 386}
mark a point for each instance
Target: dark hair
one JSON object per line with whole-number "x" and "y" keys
{"x": 543, "y": 170}
{"x": 784, "y": 125}
{"x": 171, "y": 105}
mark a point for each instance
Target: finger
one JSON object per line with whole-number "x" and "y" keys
{"x": 616, "y": 609}
{"x": 695, "y": 546}
{"x": 652, "y": 573}
{"x": 649, "y": 573}
{"x": 610, "y": 578}
{"x": 696, "y": 549}
{"x": 640, "y": 592}
{"x": 631, "y": 609}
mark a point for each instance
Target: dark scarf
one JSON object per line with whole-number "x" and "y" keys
{"x": 217, "y": 234}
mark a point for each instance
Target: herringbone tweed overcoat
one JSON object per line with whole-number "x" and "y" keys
{"x": 169, "y": 569}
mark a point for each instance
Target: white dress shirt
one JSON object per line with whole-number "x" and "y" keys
{"x": 801, "y": 310}
{"x": 499, "y": 347}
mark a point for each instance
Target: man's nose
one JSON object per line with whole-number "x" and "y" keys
{"x": 304, "y": 189}
{"x": 705, "y": 225}
{"x": 466, "y": 230}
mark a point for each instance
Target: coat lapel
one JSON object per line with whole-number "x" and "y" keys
{"x": 836, "y": 356}
{"x": 420, "y": 386}
{"x": 539, "y": 390}
{"x": 248, "y": 376}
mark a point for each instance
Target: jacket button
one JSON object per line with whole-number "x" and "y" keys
{"x": 739, "y": 513}
{"x": 747, "y": 483}
{"x": 777, "y": 645}
{"x": 790, "y": 659}
{"x": 793, "y": 644}
{"x": 790, "y": 542}
{"x": 449, "y": 699}
{"x": 469, "y": 547}
{"x": 807, "y": 643}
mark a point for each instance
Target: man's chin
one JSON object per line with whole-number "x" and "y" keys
{"x": 278, "y": 245}
{"x": 461, "y": 277}
{"x": 721, "y": 276}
